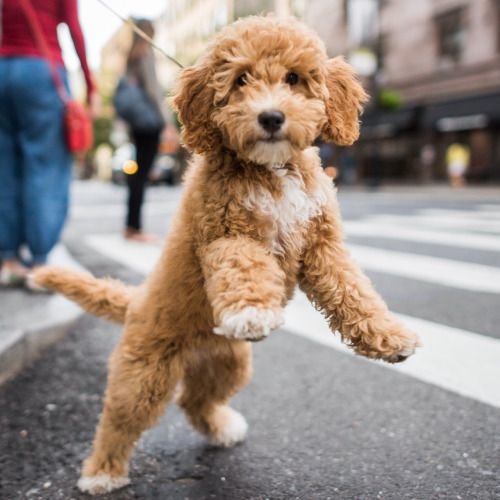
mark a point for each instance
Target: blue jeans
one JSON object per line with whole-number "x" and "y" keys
{"x": 35, "y": 164}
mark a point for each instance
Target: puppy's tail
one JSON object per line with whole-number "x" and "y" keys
{"x": 106, "y": 298}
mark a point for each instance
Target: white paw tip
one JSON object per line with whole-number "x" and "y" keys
{"x": 101, "y": 484}
{"x": 250, "y": 323}
{"x": 406, "y": 351}
{"x": 234, "y": 430}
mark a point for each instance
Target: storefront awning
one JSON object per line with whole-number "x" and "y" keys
{"x": 469, "y": 113}
{"x": 381, "y": 124}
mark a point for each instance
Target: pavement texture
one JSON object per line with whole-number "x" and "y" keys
{"x": 29, "y": 322}
{"x": 340, "y": 439}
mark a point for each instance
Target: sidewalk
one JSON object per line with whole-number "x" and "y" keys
{"x": 30, "y": 322}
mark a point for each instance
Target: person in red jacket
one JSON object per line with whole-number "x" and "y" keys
{"x": 35, "y": 166}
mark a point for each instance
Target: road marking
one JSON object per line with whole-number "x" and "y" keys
{"x": 139, "y": 257}
{"x": 434, "y": 237}
{"x": 445, "y": 272}
{"x": 464, "y": 214}
{"x": 457, "y": 360}
{"x": 443, "y": 221}
{"x": 490, "y": 208}
{"x": 117, "y": 210}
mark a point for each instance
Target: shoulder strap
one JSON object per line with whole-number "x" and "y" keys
{"x": 41, "y": 42}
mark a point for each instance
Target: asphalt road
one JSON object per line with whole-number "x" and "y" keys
{"x": 323, "y": 424}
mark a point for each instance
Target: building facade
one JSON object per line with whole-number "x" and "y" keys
{"x": 187, "y": 26}
{"x": 432, "y": 69}
{"x": 183, "y": 31}
{"x": 441, "y": 59}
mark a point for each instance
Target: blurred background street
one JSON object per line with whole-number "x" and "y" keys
{"x": 323, "y": 423}
{"x": 432, "y": 69}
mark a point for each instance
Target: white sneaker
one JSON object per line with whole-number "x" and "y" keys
{"x": 12, "y": 277}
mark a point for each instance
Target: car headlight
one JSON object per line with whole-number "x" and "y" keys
{"x": 130, "y": 167}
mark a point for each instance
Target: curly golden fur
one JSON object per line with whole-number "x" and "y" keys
{"x": 258, "y": 216}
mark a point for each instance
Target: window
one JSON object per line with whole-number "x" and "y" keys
{"x": 451, "y": 37}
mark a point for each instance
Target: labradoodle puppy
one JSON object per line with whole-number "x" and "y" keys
{"x": 258, "y": 216}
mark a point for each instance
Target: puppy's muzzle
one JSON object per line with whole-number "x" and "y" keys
{"x": 271, "y": 121}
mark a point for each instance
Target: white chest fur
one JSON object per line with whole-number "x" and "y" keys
{"x": 288, "y": 212}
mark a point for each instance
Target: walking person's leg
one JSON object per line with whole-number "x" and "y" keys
{"x": 12, "y": 271}
{"x": 146, "y": 145}
{"x": 46, "y": 159}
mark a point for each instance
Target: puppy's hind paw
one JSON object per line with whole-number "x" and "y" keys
{"x": 232, "y": 428}
{"x": 101, "y": 484}
{"x": 250, "y": 323}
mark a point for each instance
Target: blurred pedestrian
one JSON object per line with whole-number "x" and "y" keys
{"x": 326, "y": 154}
{"x": 348, "y": 166}
{"x": 36, "y": 163}
{"x": 426, "y": 162}
{"x": 457, "y": 162}
{"x": 375, "y": 166}
{"x": 142, "y": 72}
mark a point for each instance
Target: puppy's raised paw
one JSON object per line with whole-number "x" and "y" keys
{"x": 387, "y": 339}
{"x": 409, "y": 343}
{"x": 397, "y": 346}
{"x": 250, "y": 323}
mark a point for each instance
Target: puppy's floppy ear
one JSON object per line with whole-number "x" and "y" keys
{"x": 194, "y": 102}
{"x": 344, "y": 102}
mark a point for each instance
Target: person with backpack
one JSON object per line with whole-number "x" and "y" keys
{"x": 139, "y": 102}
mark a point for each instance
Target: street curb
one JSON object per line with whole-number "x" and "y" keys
{"x": 19, "y": 346}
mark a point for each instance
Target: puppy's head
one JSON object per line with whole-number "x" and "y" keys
{"x": 265, "y": 89}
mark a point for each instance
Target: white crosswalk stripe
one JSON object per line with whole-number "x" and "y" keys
{"x": 440, "y": 222}
{"x": 445, "y": 272}
{"x": 457, "y": 360}
{"x": 490, "y": 208}
{"x": 116, "y": 211}
{"x": 140, "y": 257}
{"x": 460, "y": 361}
{"x": 421, "y": 235}
{"x": 462, "y": 214}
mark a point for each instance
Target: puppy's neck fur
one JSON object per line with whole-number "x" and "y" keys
{"x": 303, "y": 164}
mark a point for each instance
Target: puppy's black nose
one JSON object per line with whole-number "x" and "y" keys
{"x": 271, "y": 121}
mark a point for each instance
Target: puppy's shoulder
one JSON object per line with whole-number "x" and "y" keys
{"x": 318, "y": 185}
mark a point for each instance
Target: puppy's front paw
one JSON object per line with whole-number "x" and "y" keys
{"x": 387, "y": 340}
{"x": 405, "y": 347}
{"x": 250, "y": 323}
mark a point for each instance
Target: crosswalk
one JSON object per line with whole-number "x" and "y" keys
{"x": 459, "y": 360}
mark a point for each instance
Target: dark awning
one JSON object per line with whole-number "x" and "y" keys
{"x": 377, "y": 124}
{"x": 463, "y": 114}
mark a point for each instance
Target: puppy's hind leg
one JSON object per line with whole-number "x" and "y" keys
{"x": 213, "y": 374}
{"x": 139, "y": 385}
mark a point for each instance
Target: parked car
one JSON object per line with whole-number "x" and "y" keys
{"x": 166, "y": 168}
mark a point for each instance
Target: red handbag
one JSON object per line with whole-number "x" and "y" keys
{"x": 78, "y": 129}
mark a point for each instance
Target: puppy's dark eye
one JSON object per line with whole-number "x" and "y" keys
{"x": 292, "y": 78}
{"x": 241, "y": 81}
